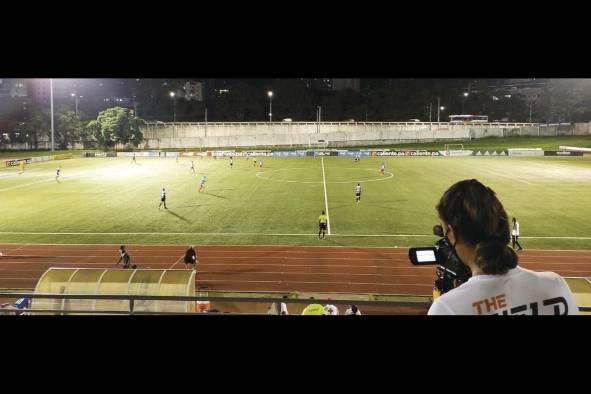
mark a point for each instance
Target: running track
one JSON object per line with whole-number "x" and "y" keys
{"x": 268, "y": 268}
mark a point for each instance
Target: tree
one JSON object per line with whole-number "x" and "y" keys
{"x": 37, "y": 125}
{"x": 116, "y": 125}
{"x": 69, "y": 127}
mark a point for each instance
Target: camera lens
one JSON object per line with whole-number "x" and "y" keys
{"x": 438, "y": 230}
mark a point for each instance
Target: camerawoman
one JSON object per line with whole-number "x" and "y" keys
{"x": 478, "y": 272}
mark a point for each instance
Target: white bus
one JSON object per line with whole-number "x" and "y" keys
{"x": 468, "y": 118}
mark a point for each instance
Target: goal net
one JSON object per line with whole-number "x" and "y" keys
{"x": 449, "y": 147}
{"x": 320, "y": 145}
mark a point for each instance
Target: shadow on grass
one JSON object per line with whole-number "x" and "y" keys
{"x": 177, "y": 215}
{"x": 192, "y": 206}
{"x": 214, "y": 195}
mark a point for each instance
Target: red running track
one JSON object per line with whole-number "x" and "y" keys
{"x": 268, "y": 268}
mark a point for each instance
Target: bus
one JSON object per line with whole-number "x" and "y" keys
{"x": 468, "y": 118}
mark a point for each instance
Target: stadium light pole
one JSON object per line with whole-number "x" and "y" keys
{"x": 464, "y": 101}
{"x": 76, "y": 97}
{"x": 51, "y": 104}
{"x": 438, "y": 108}
{"x": 318, "y": 118}
{"x": 442, "y": 108}
{"x": 173, "y": 107}
{"x": 270, "y": 94}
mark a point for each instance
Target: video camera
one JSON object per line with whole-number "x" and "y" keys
{"x": 450, "y": 271}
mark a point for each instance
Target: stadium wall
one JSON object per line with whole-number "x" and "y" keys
{"x": 211, "y": 135}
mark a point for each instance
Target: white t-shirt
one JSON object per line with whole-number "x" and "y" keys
{"x": 330, "y": 309}
{"x": 515, "y": 228}
{"x": 284, "y": 309}
{"x": 519, "y": 292}
{"x": 350, "y": 312}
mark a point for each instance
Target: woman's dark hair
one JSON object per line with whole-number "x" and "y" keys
{"x": 354, "y": 309}
{"x": 479, "y": 219}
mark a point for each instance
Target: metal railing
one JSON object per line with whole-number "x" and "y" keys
{"x": 133, "y": 298}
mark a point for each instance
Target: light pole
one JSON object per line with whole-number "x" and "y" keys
{"x": 270, "y": 94}
{"x": 318, "y": 118}
{"x": 173, "y": 107}
{"x": 76, "y": 97}
{"x": 438, "y": 108}
{"x": 464, "y": 101}
{"x": 438, "y": 111}
{"x": 430, "y": 110}
{"x": 51, "y": 104}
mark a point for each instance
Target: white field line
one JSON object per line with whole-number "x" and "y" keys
{"x": 248, "y": 234}
{"x": 325, "y": 197}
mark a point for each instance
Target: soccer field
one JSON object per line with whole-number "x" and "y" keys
{"x": 112, "y": 200}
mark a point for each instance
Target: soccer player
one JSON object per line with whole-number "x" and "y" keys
{"x": 202, "y": 183}
{"x": 322, "y": 223}
{"x": 57, "y": 173}
{"x": 260, "y": 163}
{"x": 192, "y": 166}
{"x": 22, "y": 166}
{"x": 191, "y": 258}
{"x": 133, "y": 159}
{"x": 231, "y": 162}
{"x": 382, "y": 168}
{"x": 254, "y": 161}
{"x": 162, "y": 198}
{"x": 515, "y": 234}
{"x": 358, "y": 193}
{"x": 125, "y": 257}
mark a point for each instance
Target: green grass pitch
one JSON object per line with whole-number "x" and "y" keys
{"x": 112, "y": 200}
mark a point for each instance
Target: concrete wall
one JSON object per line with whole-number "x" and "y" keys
{"x": 211, "y": 135}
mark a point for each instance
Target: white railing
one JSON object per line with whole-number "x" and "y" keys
{"x": 475, "y": 124}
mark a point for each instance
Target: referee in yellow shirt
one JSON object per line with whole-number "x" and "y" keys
{"x": 322, "y": 223}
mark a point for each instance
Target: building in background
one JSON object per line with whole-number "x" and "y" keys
{"x": 345, "y": 84}
{"x": 192, "y": 90}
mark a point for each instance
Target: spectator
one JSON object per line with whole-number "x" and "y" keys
{"x": 278, "y": 308}
{"x": 331, "y": 310}
{"x": 477, "y": 227}
{"x": 313, "y": 309}
{"x": 353, "y": 311}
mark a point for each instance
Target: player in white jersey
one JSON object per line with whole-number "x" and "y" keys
{"x": 192, "y": 166}
{"x": 58, "y": 173}
{"x": 477, "y": 227}
{"x": 162, "y": 199}
{"x": 382, "y": 168}
{"x": 358, "y": 193}
{"x": 202, "y": 183}
{"x": 515, "y": 234}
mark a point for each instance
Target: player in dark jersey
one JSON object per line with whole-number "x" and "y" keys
{"x": 358, "y": 193}
{"x": 191, "y": 258}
